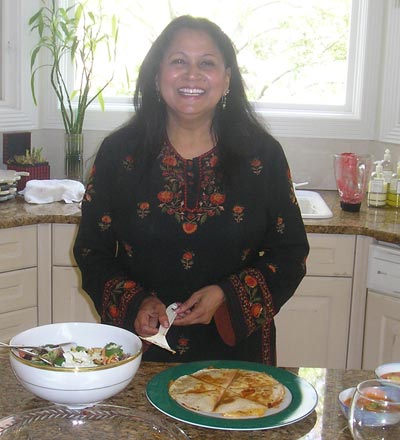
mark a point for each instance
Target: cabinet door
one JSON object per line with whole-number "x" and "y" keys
{"x": 382, "y": 330}
{"x": 312, "y": 327}
{"x": 62, "y": 244}
{"x": 70, "y": 302}
{"x": 18, "y": 290}
{"x": 18, "y": 248}
{"x": 12, "y": 323}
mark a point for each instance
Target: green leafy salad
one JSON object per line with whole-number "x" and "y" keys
{"x": 78, "y": 356}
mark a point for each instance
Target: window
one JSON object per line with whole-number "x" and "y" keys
{"x": 287, "y": 95}
{"x": 290, "y": 52}
{"x": 310, "y": 67}
{"x": 17, "y": 111}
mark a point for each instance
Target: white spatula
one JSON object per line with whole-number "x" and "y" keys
{"x": 160, "y": 339}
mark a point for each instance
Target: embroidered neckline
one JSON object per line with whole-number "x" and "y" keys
{"x": 174, "y": 197}
{"x": 212, "y": 150}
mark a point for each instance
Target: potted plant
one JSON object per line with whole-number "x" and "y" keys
{"x": 32, "y": 163}
{"x": 74, "y": 34}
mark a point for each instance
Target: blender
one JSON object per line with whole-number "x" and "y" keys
{"x": 352, "y": 173}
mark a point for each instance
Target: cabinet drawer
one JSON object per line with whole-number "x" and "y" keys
{"x": 13, "y": 323}
{"x": 331, "y": 254}
{"x": 18, "y": 289}
{"x": 63, "y": 242}
{"x": 18, "y": 248}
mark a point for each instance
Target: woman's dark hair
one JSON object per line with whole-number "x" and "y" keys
{"x": 235, "y": 127}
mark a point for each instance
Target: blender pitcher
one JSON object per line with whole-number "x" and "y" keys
{"x": 352, "y": 172}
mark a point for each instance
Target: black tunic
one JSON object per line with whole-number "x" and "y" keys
{"x": 174, "y": 227}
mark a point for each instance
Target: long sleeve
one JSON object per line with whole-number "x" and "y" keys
{"x": 255, "y": 294}
{"x": 96, "y": 249}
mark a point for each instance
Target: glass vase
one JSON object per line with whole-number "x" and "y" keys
{"x": 74, "y": 156}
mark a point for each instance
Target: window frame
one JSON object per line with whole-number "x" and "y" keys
{"x": 17, "y": 110}
{"x": 389, "y": 118}
{"x": 356, "y": 121}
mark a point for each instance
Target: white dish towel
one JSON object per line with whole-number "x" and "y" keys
{"x": 53, "y": 190}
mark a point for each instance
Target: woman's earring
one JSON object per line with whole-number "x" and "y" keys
{"x": 224, "y": 99}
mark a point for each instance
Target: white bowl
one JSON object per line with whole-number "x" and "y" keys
{"x": 77, "y": 387}
{"x": 369, "y": 417}
{"x": 344, "y": 397}
{"x": 393, "y": 367}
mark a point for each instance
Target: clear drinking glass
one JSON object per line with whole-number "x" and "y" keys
{"x": 375, "y": 410}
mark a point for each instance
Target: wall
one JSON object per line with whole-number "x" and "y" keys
{"x": 310, "y": 159}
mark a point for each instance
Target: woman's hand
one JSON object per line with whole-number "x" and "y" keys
{"x": 152, "y": 312}
{"x": 200, "y": 307}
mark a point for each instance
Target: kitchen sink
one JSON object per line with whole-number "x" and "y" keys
{"x": 312, "y": 205}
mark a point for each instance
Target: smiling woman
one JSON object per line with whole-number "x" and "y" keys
{"x": 221, "y": 235}
{"x": 192, "y": 79}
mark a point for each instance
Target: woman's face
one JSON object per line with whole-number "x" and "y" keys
{"x": 192, "y": 76}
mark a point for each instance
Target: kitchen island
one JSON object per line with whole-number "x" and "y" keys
{"x": 325, "y": 422}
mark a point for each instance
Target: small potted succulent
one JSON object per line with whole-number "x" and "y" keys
{"x": 31, "y": 162}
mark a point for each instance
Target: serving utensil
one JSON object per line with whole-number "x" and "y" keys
{"x": 40, "y": 350}
{"x": 47, "y": 347}
{"x": 160, "y": 338}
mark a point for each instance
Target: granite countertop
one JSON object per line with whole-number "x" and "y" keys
{"x": 326, "y": 421}
{"x": 381, "y": 224}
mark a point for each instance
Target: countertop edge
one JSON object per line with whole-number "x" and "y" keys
{"x": 380, "y": 224}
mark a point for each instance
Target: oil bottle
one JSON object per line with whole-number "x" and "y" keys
{"x": 387, "y": 168}
{"x": 393, "y": 196}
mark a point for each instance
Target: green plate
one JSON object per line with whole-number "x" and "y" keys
{"x": 304, "y": 398}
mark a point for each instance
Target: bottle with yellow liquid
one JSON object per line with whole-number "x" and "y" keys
{"x": 393, "y": 195}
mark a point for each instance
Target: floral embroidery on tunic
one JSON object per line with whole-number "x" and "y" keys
{"x": 267, "y": 356}
{"x": 183, "y": 345}
{"x": 143, "y": 209}
{"x": 118, "y": 294}
{"x": 256, "y": 166}
{"x": 90, "y": 191}
{"x": 105, "y": 222}
{"x": 128, "y": 162}
{"x": 128, "y": 249}
{"x": 272, "y": 267}
{"x": 238, "y": 213}
{"x": 187, "y": 260}
{"x": 174, "y": 198}
{"x": 280, "y": 225}
{"x": 255, "y": 298}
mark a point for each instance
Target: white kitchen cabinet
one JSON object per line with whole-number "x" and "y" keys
{"x": 18, "y": 280}
{"x": 382, "y": 330}
{"x": 313, "y": 326}
{"x": 70, "y": 301}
